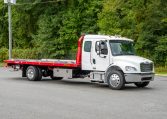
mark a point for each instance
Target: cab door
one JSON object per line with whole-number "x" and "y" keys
{"x": 100, "y": 55}
{"x": 87, "y": 54}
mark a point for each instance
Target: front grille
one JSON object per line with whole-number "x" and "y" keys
{"x": 146, "y": 67}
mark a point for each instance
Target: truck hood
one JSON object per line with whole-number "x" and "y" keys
{"x": 131, "y": 59}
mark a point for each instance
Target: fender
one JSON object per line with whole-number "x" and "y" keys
{"x": 112, "y": 67}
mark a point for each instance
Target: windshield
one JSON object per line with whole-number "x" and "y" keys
{"x": 120, "y": 47}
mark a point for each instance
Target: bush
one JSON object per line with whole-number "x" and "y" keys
{"x": 3, "y": 54}
{"x": 162, "y": 70}
{"x": 25, "y": 53}
{"x": 19, "y": 54}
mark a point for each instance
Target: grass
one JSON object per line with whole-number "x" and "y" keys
{"x": 161, "y": 70}
{"x": 1, "y": 64}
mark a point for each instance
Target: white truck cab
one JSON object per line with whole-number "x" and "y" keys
{"x": 112, "y": 60}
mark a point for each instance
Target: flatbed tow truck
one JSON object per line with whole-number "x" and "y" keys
{"x": 102, "y": 58}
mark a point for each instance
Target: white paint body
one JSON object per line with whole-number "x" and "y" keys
{"x": 102, "y": 64}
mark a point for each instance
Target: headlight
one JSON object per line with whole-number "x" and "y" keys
{"x": 129, "y": 68}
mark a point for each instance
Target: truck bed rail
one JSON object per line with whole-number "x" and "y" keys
{"x": 44, "y": 62}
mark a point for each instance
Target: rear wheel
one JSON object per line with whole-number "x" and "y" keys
{"x": 39, "y": 74}
{"x": 33, "y": 73}
{"x": 142, "y": 84}
{"x": 115, "y": 80}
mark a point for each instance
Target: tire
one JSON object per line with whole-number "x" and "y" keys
{"x": 56, "y": 78}
{"x": 142, "y": 84}
{"x": 33, "y": 73}
{"x": 39, "y": 74}
{"x": 115, "y": 80}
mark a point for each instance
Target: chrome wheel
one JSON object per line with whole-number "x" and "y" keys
{"x": 34, "y": 73}
{"x": 30, "y": 73}
{"x": 115, "y": 80}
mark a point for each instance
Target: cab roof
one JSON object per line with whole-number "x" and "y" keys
{"x": 106, "y": 37}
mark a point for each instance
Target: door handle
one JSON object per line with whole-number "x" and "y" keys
{"x": 94, "y": 61}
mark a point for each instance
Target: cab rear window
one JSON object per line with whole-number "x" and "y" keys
{"x": 87, "y": 46}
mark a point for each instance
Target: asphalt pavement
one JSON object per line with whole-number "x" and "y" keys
{"x": 79, "y": 99}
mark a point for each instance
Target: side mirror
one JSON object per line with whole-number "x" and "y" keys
{"x": 103, "y": 48}
{"x": 98, "y": 48}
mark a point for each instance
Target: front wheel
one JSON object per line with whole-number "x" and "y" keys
{"x": 115, "y": 80}
{"x": 142, "y": 84}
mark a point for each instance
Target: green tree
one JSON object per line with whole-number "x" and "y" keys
{"x": 139, "y": 20}
{"x": 3, "y": 25}
{"x": 62, "y": 24}
{"x": 53, "y": 27}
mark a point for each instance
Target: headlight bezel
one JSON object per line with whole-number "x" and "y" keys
{"x": 130, "y": 68}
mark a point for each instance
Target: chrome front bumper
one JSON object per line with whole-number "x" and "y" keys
{"x": 142, "y": 77}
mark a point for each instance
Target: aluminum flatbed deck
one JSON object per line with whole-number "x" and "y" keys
{"x": 44, "y": 62}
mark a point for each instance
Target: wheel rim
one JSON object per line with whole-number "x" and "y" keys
{"x": 114, "y": 80}
{"x": 30, "y": 73}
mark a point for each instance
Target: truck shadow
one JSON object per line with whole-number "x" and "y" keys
{"x": 81, "y": 83}
{"x": 134, "y": 88}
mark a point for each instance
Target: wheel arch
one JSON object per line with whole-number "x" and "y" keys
{"x": 110, "y": 68}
